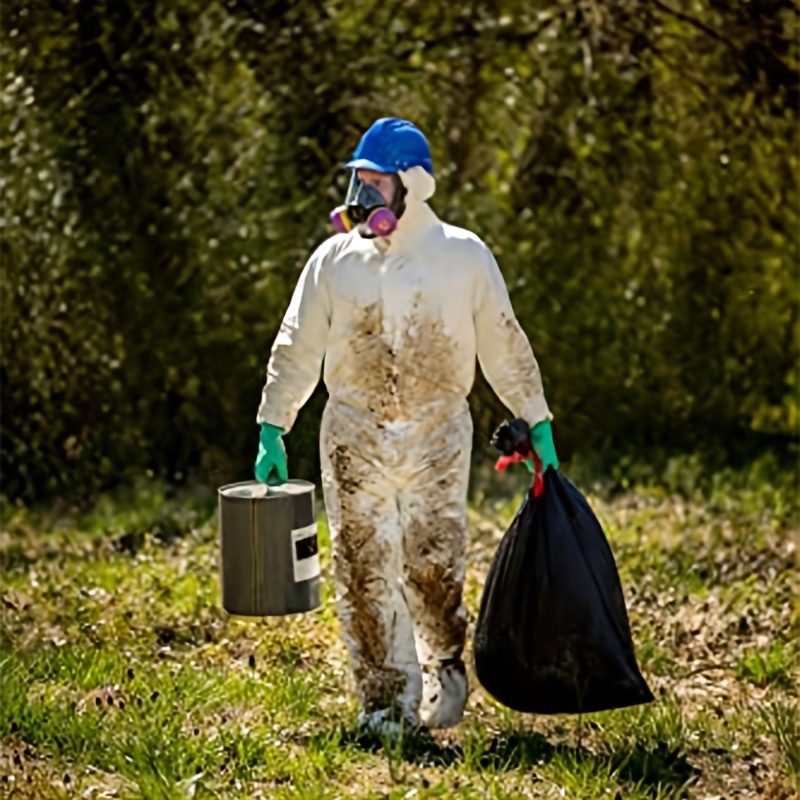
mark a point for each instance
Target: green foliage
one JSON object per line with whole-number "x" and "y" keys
{"x": 777, "y": 666}
{"x": 782, "y": 723}
{"x": 171, "y": 166}
{"x": 121, "y": 675}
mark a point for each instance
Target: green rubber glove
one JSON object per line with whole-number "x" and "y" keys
{"x": 271, "y": 461}
{"x": 542, "y": 441}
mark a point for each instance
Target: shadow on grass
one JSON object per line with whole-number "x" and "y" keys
{"x": 413, "y": 746}
{"x": 645, "y": 765}
{"x": 654, "y": 767}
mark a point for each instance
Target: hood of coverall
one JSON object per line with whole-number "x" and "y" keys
{"x": 419, "y": 184}
{"x": 418, "y": 216}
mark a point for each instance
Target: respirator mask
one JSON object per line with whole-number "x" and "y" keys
{"x": 366, "y": 209}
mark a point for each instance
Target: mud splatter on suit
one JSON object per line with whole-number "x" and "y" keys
{"x": 398, "y": 322}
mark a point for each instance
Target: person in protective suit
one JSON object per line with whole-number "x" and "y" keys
{"x": 398, "y": 304}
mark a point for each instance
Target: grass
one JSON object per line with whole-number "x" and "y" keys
{"x": 122, "y": 677}
{"x": 773, "y": 667}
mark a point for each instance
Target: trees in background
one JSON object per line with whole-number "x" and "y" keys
{"x": 169, "y": 167}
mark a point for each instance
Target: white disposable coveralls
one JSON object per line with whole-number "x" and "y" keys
{"x": 399, "y": 321}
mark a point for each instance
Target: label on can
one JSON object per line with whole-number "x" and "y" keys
{"x": 305, "y": 553}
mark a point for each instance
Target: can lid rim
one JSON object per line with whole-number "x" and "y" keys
{"x": 239, "y": 491}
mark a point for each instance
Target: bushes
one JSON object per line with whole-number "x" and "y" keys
{"x": 172, "y": 165}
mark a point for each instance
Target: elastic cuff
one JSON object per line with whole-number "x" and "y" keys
{"x": 265, "y": 418}
{"x": 536, "y": 413}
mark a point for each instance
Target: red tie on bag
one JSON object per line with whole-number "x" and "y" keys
{"x": 538, "y": 480}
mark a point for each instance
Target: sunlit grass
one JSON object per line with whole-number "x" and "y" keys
{"x": 120, "y": 672}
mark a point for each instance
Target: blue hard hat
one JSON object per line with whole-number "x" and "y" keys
{"x": 391, "y": 145}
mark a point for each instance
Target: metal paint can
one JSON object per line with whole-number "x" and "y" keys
{"x": 270, "y": 557}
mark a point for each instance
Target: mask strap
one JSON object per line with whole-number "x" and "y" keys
{"x": 398, "y": 204}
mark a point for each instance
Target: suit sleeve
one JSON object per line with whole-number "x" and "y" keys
{"x": 504, "y": 352}
{"x": 299, "y": 349}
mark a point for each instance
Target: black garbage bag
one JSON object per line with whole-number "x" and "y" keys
{"x": 553, "y": 635}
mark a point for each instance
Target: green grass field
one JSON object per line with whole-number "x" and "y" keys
{"x": 122, "y": 677}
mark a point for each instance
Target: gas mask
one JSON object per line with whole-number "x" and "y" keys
{"x": 366, "y": 209}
